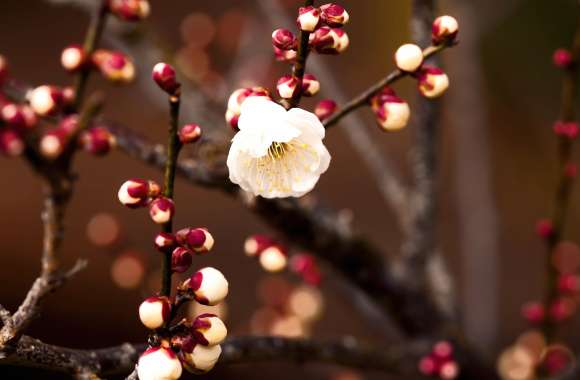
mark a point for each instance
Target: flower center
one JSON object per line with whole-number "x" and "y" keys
{"x": 278, "y": 150}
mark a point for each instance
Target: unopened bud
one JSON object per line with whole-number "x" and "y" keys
{"x": 533, "y": 312}
{"x": 325, "y": 108}
{"x": 209, "y": 286}
{"x": 310, "y": 85}
{"x": 164, "y": 75}
{"x": 333, "y": 14}
{"x": 449, "y": 370}
{"x": 154, "y": 312}
{"x": 197, "y": 239}
{"x": 97, "y": 141}
{"x": 562, "y": 58}
{"x": 328, "y": 40}
{"x": 306, "y": 266}
{"x": 284, "y": 39}
{"x": 544, "y": 228}
{"x": 181, "y": 259}
{"x": 568, "y": 129}
{"x": 308, "y": 18}
{"x": 159, "y": 363}
{"x": 443, "y": 350}
{"x": 11, "y": 143}
{"x": 255, "y": 244}
{"x": 409, "y": 57}
{"x": 273, "y": 258}
{"x": 135, "y": 192}
{"x": 428, "y": 366}
{"x": 45, "y": 100}
{"x": 73, "y": 58}
{"x": 561, "y": 309}
{"x": 114, "y": 66}
{"x": 432, "y": 82}
{"x": 202, "y": 358}
{"x": 391, "y": 111}
{"x": 52, "y": 143}
{"x": 568, "y": 283}
{"x": 287, "y": 86}
{"x": 165, "y": 242}
{"x": 444, "y": 29}
{"x": 130, "y": 10}
{"x": 282, "y": 55}
{"x": 208, "y": 329}
{"x": 189, "y": 133}
{"x": 161, "y": 210}
{"x": 18, "y": 115}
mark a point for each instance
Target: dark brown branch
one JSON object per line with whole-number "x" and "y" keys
{"x": 120, "y": 360}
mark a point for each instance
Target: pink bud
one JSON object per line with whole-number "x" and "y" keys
{"x": 181, "y": 259}
{"x": 562, "y": 58}
{"x": 52, "y": 143}
{"x": 428, "y": 366}
{"x": 159, "y": 363}
{"x": 432, "y": 82}
{"x": 287, "y": 86}
{"x": 197, "y": 239}
{"x": 283, "y": 39}
{"x": 73, "y": 58}
{"x": 533, "y": 312}
{"x": 544, "y": 228}
{"x": 255, "y": 244}
{"x": 114, "y": 66}
{"x": 154, "y": 312}
{"x": 161, "y": 210}
{"x": 130, "y": 10}
{"x": 409, "y": 57}
{"x": 391, "y": 111}
{"x": 444, "y": 29}
{"x": 136, "y": 192}
{"x": 566, "y": 129}
{"x": 333, "y": 15}
{"x": 164, "y": 75}
{"x": 308, "y": 18}
{"x": 18, "y": 115}
{"x": 201, "y": 359}
{"x": 561, "y": 309}
{"x": 208, "y": 329}
{"x": 449, "y": 370}
{"x": 310, "y": 85}
{"x": 11, "y": 143}
{"x": 568, "y": 283}
{"x": 97, "y": 141}
{"x": 165, "y": 242}
{"x": 273, "y": 258}
{"x": 325, "y": 108}
{"x": 189, "y": 133}
{"x": 328, "y": 40}
{"x": 285, "y": 55}
{"x": 443, "y": 350}
{"x": 306, "y": 266}
{"x": 209, "y": 286}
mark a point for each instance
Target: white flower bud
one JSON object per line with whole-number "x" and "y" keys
{"x": 409, "y": 57}
{"x": 209, "y": 330}
{"x": 432, "y": 82}
{"x": 161, "y": 210}
{"x": 287, "y": 86}
{"x": 333, "y": 14}
{"x": 52, "y": 144}
{"x": 202, "y": 358}
{"x": 154, "y": 312}
{"x": 308, "y": 18}
{"x": 445, "y": 28}
{"x": 197, "y": 239}
{"x": 310, "y": 85}
{"x": 159, "y": 363}
{"x": 209, "y": 286}
{"x": 135, "y": 192}
{"x": 392, "y": 112}
{"x": 73, "y": 57}
{"x": 273, "y": 259}
{"x": 44, "y": 100}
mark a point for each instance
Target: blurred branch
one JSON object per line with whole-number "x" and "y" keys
{"x": 120, "y": 360}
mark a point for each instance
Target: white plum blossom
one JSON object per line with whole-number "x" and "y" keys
{"x": 277, "y": 153}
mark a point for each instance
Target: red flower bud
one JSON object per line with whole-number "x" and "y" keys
{"x": 310, "y": 85}
{"x": 164, "y": 75}
{"x": 432, "y": 81}
{"x": 18, "y": 115}
{"x": 533, "y": 312}
{"x": 284, "y": 39}
{"x": 544, "y": 228}
{"x": 181, "y": 259}
{"x": 130, "y": 10}
{"x": 197, "y": 239}
{"x": 97, "y": 141}
{"x": 566, "y": 129}
{"x": 287, "y": 86}
{"x": 136, "y": 192}
{"x": 161, "y": 210}
{"x": 333, "y": 15}
{"x": 11, "y": 143}
{"x": 562, "y": 58}
{"x": 189, "y": 133}
{"x": 325, "y": 108}
{"x": 328, "y": 40}
{"x": 391, "y": 111}
{"x": 285, "y": 55}
{"x": 568, "y": 283}
{"x": 165, "y": 242}
{"x": 444, "y": 29}
{"x": 308, "y": 18}
{"x": 114, "y": 66}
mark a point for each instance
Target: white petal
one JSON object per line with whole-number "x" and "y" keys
{"x": 306, "y": 121}
{"x": 257, "y": 114}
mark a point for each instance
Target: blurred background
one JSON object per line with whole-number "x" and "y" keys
{"x": 497, "y": 169}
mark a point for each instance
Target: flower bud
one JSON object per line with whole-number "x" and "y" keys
{"x": 154, "y": 312}
{"x": 566, "y": 129}
{"x": 328, "y": 40}
{"x": 189, "y": 133}
{"x": 73, "y": 58}
{"x": 308, "y": 18}
{"x": 202, "y": 358}
{"x": 68, "y": 95}
{"x": 114, "y": 66}
{"x": 562, "y": 58}
{"x": 428, "y": 366}
{"x": 165, "y": 242}
{"x": 287, "y": 86}
{"x": 209, "y": 330}
{"x": 130, "y": 10}
{"x": 561, "y": 309}
{"x": 409, "y": 57}
{"x": 445, "y": 28}
{"x": 209, "y": 286}
{"x": 135, "y": 192}
{"x": 325, "y": 108}
{"x": 306, "y": 266}
{"x": 544, "y": 228}
{"x": 284, "y": 39}
{"x": 45, "y": 100}
{"x": 310, "y": 85}
{"x": 285, "y": 55}
{"x": 97, "y": 141}
{"x": 533, "y": 312}
{"x": 164, "y": 75}
{"x": 161, "y": 210}
{"x": 18, "y": 115}
{"x": 159, "y": 363}
{"x": 181, "y": 259}
{"x": 11, "y": 143}
{"x": 391, "y": 111}
{"x": 232, "y": 119}
{"x": 568, "y": 283}
{"x": 333, "y": 14}
{"x": 432, "y": 82}
{"x": 449, "y": 370}
{"x": 443, "y": 350}
{"x": 197, "y": 239}
{"x": 255, "y": 244}
{"x": 273, "y": 258}
{"x": 52, "y": 143}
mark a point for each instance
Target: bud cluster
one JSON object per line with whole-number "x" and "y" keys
{"x": 440, "y": 362}
{"x": 235, "y": 103}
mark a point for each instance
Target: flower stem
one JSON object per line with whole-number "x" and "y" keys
{"x": 173, "y": 148}
{"x": 564, "y": 185}
{"x": 364, "y": 97}
{"x": 91, "y": 42}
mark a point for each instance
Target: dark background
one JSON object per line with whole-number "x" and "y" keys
{"x": 503, "y": 65}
